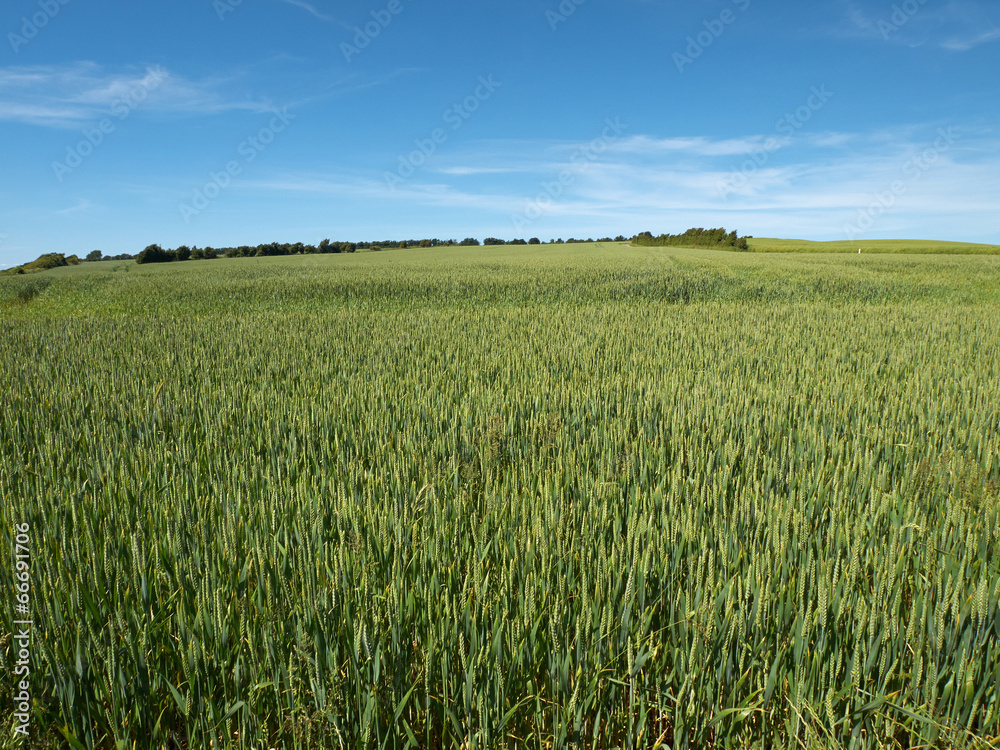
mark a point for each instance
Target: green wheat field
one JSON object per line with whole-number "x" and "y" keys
{"x": 572, "y": 496}
{"x": 762, "y": 245}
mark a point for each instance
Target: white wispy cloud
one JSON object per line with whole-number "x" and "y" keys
{"x": 813, "y": 186}
{"x": 829, "y": 140}
{"x": 470, "y": 171}
{"x": 957, "y": 25}
{"x": 699, "y": 146}
{"x": 315, "y": 12}
{"x": 418, "y": 193}
{"x": 68, "y": 96}
{"x": 82, "y": 204}
{"x": 959, "y": 44}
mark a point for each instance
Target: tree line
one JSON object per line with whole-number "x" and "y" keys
{"x": 157, "y": 254}
{"x": 713, "y": 238}
{"x": 716, "y": 238}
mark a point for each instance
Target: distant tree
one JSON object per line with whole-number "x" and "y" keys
{"x": 49, "y": 260}
{"x": 620, "y": 238}
{"x": 154, "y": 254}
{"x": 469, "y": 242}
{"x": 45, "y": 262}
{"x": 534, "y": 241}
{"x": 94, "y": 255}
{"x": 699, "y": 237}
{"x": 183, "y": 253}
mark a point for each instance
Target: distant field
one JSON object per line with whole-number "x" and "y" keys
{"x": 501, "y": 275}
{"x": 771, "y": 245}
{"x": 531, "y": 498}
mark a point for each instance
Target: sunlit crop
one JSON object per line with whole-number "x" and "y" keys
{"x": 558, "y": 497}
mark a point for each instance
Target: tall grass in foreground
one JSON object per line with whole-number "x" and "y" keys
{"x": 440, "y": 511}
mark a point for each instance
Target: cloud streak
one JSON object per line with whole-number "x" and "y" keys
{"x": 964, "y": 45}
{"x": 82, "y": 204}
{"x": 813, "y": 187}
{"x": 956, "y": 26}
{"x": 313, "y": 11}
{"x": 73, "y": 95}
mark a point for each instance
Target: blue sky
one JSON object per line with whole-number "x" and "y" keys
{"x": 233, "y": 122}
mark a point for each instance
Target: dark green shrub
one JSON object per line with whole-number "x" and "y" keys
{"x": 31, "y": 290}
